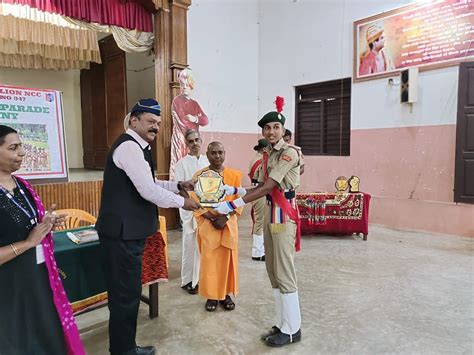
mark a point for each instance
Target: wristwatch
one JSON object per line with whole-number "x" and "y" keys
{"x": 227, "y": 216}
{"x": 180, "y": 186}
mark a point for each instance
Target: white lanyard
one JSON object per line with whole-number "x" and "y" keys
{"x": 32, "y": 217}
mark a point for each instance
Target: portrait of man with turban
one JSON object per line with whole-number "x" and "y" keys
{"x": 374, "y": 59}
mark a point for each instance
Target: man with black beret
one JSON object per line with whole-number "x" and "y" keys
{"x": 128, "y": 215}
{"x": 280, "y": 175}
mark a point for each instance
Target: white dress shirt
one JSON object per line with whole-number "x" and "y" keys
{"x": 184, "y": 170}
{"x": 190, "y": 260}
{"x": 129, "y": 157}
{"x": 188, "y": 165}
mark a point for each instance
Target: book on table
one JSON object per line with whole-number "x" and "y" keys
{"x": 83, "y": 236}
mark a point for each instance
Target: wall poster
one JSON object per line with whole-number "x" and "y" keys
{"x": 37, "y": 115}
{"x": 429, "y": 35}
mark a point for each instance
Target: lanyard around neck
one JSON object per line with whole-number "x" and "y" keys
{"x": 32, "y": 213}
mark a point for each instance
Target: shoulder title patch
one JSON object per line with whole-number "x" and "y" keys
{"x": 286, "y": 157}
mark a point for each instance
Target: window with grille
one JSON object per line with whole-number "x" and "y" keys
{"x": 323, "y": 118}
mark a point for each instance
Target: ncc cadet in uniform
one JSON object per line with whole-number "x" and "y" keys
{"x": 258, "y": 206}
{"x": 287, "y": 138}
{"x": 280, "y": 176}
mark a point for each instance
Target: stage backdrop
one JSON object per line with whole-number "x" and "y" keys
{"x": 37, "y": 115}
{"x": 428, "y": 36}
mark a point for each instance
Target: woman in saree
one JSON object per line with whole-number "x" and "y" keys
{"x": 35, "y": 314}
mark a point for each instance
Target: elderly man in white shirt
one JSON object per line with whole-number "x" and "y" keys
{"x": 184, "y": 170}
{"x": 128, "y": 215}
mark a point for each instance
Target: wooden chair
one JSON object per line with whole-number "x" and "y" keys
{"x": 76, "y": 218}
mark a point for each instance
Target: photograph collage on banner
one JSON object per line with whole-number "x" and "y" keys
{"x": 37, "y": 115}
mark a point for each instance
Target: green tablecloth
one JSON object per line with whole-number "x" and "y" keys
{"x": 82, "y": 273}
{"x": 80, "y": 267}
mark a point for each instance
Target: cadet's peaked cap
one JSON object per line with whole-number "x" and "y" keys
{"x": 262, "y": 143}
{"x": 147, "y": 105}
{"x": 272, "y": 116}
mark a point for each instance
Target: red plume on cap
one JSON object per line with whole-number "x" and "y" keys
{"x": 279, "y": 102}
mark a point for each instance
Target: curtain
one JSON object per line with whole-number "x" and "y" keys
{"x": 31, "y": 39}
{"x": 127, "y": 40}
{"x": 22, "y": 61}
{"x": 34, "y": 39}
{"x": 129, "y": 14}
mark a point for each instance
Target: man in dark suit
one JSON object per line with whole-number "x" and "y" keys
{"x": 128, "y": 215}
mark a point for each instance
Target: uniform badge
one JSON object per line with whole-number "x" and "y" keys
{"x": 286, "y": 157}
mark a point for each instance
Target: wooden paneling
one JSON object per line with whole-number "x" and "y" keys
{"x": 81, "y": 195}
{"x": 116, "y": 94}
{"x": 170, "y": 56}
{"x": 84, "y": 196}
{"x": 103, "y": 103}
{"x": 163, "y": 91}
{"x": 179, "y": 48}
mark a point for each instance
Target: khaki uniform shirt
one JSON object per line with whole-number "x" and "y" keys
{"x": 300, "y": 154}
{"x": 257, "y": 157}
{"x": 283, "y": 166}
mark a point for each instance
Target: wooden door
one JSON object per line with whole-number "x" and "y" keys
{"x": 464, "y": 166}
{"x": 103, "y": 103}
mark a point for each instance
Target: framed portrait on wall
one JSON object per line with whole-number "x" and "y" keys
{"x": 37, "y": 115}
{"x": 428, "y": 36}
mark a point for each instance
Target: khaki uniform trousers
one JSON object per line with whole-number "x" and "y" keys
{"x": 258, "y": 207}
{"x": 280, "y": 254}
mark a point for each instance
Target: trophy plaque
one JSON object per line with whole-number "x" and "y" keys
{"x": 209, "y": 188}
{"x": 354, "y": 183}
{"x": 341, "y": 184}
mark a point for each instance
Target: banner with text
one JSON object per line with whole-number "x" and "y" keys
{"x": 37, "y": 115}
{"x": 432, "y": 35}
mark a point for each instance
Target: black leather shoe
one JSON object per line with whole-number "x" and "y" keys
{"x": 190, "y": 289}
{"x": 141, "y": 350}
{"x": 185, "y": 287}
{"x": 145, "y": 350}
{"x": 258, "y": 258}
{"x": 282, "y": 339}
{"x": 273, "y": 331}
{"x": 193, "y": 290}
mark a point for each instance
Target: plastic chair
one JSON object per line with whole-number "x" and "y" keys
{"x": 75, "y": 217}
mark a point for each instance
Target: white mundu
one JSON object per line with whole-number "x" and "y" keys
{"x": 184, "y": 170}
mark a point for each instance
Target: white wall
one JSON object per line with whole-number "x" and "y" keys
{"x": 308, "y": 41}
{"x": 222, "y": 52}
{"x": 375, "y": 104}
{"x": 140, "y": 77}
{"x": 245, "y": 52}
{"x": 67, "y": 81}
